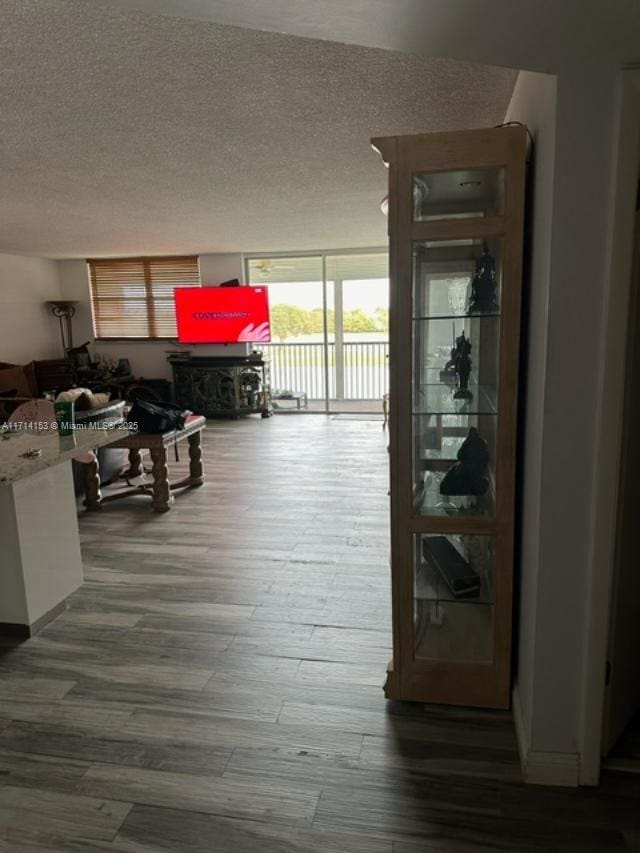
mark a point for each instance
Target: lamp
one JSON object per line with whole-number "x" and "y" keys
{"x": 64, "y": 309}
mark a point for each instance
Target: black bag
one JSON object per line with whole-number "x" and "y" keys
{"x": 156, "y": 417}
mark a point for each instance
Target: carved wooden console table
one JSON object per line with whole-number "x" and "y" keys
{"x": 160, "y": 490}
{"x": 226, "y": 386}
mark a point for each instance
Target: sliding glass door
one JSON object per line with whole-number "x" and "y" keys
{"x": 360, "y": 287}
{"x": 329, "y": 321}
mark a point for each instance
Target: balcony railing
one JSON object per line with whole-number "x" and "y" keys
{"x": 357, "y": 370}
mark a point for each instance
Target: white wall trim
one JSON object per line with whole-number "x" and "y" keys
{"x": 590, "y": 734}
{"x": 553, "y": 768}
{"x": 522, "y": 736}
{"x": 543, "y": 768}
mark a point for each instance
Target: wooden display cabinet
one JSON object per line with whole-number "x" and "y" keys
{"x": 456, "y": 208}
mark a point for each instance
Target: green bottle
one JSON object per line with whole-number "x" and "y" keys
{"x": 65, "y": 417}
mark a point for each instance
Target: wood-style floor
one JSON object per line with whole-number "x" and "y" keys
{"x": 215, "y": 685}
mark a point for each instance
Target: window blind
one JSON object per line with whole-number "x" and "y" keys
{"x": 133, "y": 297}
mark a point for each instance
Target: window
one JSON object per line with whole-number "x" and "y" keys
{"x": 329, "y": 325}
{"x": 351, "y": 288}
{"x": 133, "y": 297}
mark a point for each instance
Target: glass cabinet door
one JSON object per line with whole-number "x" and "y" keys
{"x": 456, "y": 340}
{"x": 454, "y": 597}
{"x": 456, "y": 325}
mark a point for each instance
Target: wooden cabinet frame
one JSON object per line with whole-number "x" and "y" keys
{"x": 411, "y": 678}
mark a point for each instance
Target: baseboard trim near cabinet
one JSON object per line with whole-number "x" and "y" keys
{"x": 543, "y": 768}
{"x": 19, "y": 631}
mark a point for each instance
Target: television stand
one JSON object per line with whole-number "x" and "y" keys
{"x": 222, "y": 386}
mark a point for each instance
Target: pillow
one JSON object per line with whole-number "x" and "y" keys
{"x": 83, "y": 402}
{"x": 100, "y": 400}
{"x": 72, "y": 395}
{"x": 83, "y": 398}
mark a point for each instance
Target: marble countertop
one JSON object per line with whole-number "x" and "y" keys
{"x": 55, "y": 449}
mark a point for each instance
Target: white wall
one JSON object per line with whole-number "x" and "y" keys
{"x": 612, "y": 381}
{"x": 576, "y": 345}
{"x": 533, "y": 103}
{"x": 148, "y": 358}
{"x": 567, "y": 342}
{"x": 27, "y": 330}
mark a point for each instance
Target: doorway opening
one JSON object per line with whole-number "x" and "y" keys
{"x": 330, "y": 329}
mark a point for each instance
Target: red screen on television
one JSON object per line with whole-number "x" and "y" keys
{"x": 222, "y": 315}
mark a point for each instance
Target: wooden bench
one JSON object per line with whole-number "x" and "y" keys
{"x": 157, "y": 445}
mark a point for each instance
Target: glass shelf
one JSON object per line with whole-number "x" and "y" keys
{"x": 431, "y": 587}
{"x": 442, "y": 436}
{"x": 457, "y": 278}
{"x": 454, "y": 465}
{"x": 435, "y": 348}
{"x": 478, "y": 315}
{"x": 428, "y": 499}
{"x": 454, "y": 632}
{"x": 454, "y": 597}
{"x": 438, "y": 399}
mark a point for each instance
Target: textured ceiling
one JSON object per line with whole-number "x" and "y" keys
{"x": 131, "y": 134}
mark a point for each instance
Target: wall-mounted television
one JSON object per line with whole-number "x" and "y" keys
{"x": 222, "y": 315}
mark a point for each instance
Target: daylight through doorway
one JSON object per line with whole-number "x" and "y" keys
{"x": 330, "y": 329}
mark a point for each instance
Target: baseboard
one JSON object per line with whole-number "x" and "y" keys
{"x": 622, "y": 765}
{"x": 23, "y": 632}
{"x": 543, "y": 768}
{"x": 521, "y": 734}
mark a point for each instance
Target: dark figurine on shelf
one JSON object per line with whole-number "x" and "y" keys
{"x": 484, "y": 288}
{"x": 468, "y": 476}
{"x": 448, "y": 372}
{"x": 463, "y": 368}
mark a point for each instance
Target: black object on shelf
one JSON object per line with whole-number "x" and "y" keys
{"x": 484, "y": 287}
{"x": 456, "y": 572}
{"x": 468, "y": 476}
{"x": 462, "y": 368}
{"x": 448, "y": 373}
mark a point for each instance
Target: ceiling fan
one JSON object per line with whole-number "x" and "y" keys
{"x": 265, "y": 267}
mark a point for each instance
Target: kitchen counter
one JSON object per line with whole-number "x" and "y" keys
{"x": 40, "y": 561}
{"x": 55, "y": 449}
